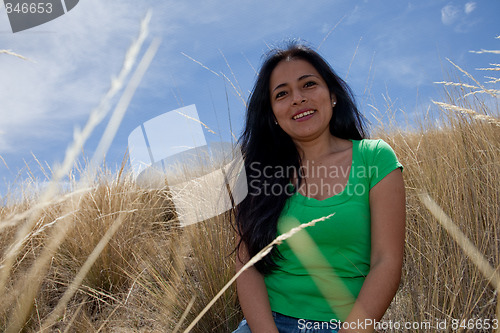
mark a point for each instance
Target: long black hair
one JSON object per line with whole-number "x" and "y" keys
{"x": 269, "y": 152}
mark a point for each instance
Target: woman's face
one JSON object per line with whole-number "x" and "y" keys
{"x": 301, "y": 101}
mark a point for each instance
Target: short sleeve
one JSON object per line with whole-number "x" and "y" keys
{"x": 383, "y": 161}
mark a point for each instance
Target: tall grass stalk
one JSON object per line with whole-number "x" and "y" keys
{"x": 9, "y": 52}
{"x": 123, "y": 103}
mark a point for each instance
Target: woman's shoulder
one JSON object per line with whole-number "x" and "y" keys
{"x": 372, "y": 144}
{"x": 378, "y": 157}
{"x": 375, "y": 150}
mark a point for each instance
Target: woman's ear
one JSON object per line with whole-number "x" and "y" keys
{"x": 334, "y": 100}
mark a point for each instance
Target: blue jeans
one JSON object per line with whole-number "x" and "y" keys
{"x": 287, "y": 324}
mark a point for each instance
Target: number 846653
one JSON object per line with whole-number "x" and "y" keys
{"x": 472, "y": 324}
{"x": 32, "y": 8}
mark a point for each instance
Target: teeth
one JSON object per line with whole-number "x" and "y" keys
{"x": 303, "y": 114}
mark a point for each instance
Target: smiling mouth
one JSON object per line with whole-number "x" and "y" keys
{"x": 303, "y": 114}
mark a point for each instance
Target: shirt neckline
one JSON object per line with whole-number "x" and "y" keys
{"x": 338, "y": 198}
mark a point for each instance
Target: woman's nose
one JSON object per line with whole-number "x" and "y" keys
{"x": 298, "y": 98}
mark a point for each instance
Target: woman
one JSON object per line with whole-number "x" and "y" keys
{"x": 306, "y": 158}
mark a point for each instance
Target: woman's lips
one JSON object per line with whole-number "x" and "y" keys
{"x": 303, "y": 115}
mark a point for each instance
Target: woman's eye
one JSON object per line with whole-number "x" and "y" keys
{"x": 310, "y": 84}
{"x": 280, "y": 94}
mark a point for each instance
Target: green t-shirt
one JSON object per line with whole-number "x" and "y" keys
{"x": 325, "y": 265}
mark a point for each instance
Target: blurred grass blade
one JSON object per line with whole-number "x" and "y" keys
{"x": 184, "y": 315}
{"x": 470, "y": 250}
{"x": 121, "y": 107}
{"x": 262, "y": 253}
{"x": 9, "y": 52}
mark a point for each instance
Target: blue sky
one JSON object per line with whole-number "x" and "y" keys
{"x": 389, "y": 52}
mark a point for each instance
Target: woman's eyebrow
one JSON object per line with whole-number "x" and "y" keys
{"x": 305, "y": 76}
{"x": 279, "y": 86}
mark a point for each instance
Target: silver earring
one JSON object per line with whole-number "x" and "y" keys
{"x": 334, "y": 103}
{"x": 275, "y": 122}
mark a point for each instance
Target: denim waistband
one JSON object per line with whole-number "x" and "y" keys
{"x": 305, "y": 325}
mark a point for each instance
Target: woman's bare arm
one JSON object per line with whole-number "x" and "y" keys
{"x": 253, "y": 297}
{"x": 387, "y": 208}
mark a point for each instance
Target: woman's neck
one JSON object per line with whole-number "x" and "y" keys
{"x": 321, "y": 147}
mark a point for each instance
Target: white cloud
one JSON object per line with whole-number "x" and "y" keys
{"x": 354, "y": 16}
{"x": 73, "y": 59}
{"x": 456, "y": 16}
{"x": 405, "y": 70}
{"x": 449, "y": 14}
{"x": 469, "y": 7}
{"x": 325, "y": 28}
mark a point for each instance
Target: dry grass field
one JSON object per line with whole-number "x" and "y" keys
{"x": 111, "y": 256}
